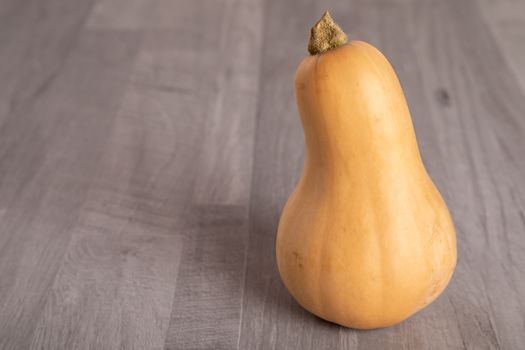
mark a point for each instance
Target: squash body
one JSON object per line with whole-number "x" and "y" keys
{"x": 365, "y": 240}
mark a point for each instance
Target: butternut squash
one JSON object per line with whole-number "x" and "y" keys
{"x": 365, "y": 240}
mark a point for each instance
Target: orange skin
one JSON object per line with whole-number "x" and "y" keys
{"x": 365, "y": 240}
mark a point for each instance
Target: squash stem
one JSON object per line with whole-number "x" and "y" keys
{"x": 325, "y": 35}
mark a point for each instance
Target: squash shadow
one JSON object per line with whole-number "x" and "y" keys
{"x": 264, "y": 290}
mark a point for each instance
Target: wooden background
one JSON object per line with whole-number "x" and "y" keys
{"x": 148, "y": 146}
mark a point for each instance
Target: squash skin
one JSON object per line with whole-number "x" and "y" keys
{"x": 365, "y": 240}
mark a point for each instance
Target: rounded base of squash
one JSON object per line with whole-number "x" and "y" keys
{"x": 364, "y": 322}
{"x": 358, "y": 325}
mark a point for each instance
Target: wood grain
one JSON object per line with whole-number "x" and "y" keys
{"x": 147, "y": 148}
{"x": 506, "y": 21}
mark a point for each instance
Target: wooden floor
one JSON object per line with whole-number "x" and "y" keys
{"x": 148, "y": 146}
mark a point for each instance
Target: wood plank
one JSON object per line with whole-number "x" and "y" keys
{"x": 114, "y": 290}
{"x": 506, "y": 20}
{"x": 68, "y": 122}
{"x": 36, "y": 39}
{"x": 118, "y": 14}
{"x": 206, "y": 306}
{"x": 116, "y": 284}
{"x": 218, "y": 62}
{"x": 493, "y": 129}
{"x": 225, "y": 171}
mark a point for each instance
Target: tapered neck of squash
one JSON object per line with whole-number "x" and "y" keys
{"x": 325, "y": 35}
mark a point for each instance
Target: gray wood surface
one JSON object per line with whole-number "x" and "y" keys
{"x": 148, "y": 146}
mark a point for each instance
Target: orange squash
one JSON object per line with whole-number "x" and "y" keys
{"x": 365, "y": 240}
